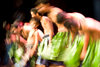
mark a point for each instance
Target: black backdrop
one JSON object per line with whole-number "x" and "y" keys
{"x": 9, "y": 7}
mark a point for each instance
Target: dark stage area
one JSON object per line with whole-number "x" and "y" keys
{"x": 11, "y": 7}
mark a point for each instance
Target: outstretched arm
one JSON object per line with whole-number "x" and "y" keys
{"x": 43, "y": 8}
{"x": 84, "y": 50}
{"x": 41, "y": 5}
{"x": 23, "y": 40}
{"x": 35, "y": 45}
{"x": 51, "y": 31}
{"x": 13, "y": 38}
{"x": 50, "y": 36}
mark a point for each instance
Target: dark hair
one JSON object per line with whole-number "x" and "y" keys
{"x": 34, "y": 10}
{"x": 60, "y": 17}
{"x": 17, "y": 23}
{"x": 68, "y": 24}
{"x": 41, "y": 1}
{"x": 35, "y": 19}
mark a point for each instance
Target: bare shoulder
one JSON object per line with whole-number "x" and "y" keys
{"x": 78, "y": 14}
{"x": 92, "y": 20}
{"x": 33, "y": 31}
{"x": 45, "y": 19}
{"x": 40, "y": 32}
{"x": 75, "y": 15}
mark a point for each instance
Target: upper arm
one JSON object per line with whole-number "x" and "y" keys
{"x": 43, "y": 10}
{"x": 36, "y": 36}
{"x": 29, "y": 36}
{"x": 36, "y": 40}
{"x": 22, "y": 40}
{"x": 40, "y": 35}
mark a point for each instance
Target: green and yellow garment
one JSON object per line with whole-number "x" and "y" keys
{"x": 62, "y": 49}
{"x": 16, "y": 52}
{"x": 51, "y": 52}
{"x": 92, "y": 58}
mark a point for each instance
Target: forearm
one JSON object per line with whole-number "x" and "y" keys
{"x": 43, "y": 10}
{"x": 35, "y": 45}
{"x": 39, "y": 6}
{"x": 50, "y": 36}
{"x": 23, "y": 40}
{"x": 34, "y": 49}
{"x": 42, "y": 7}
{"x": 86, "y": 41}
{"x": 84, "y": 50}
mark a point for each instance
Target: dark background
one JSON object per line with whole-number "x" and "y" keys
{"x": 11, "y": 9}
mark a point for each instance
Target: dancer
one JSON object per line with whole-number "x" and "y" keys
{"x": 45, "y": 22}
{"x": 48, "y": 32}
{"x": 35, "y": 35}
{"x": 74, "y": 22}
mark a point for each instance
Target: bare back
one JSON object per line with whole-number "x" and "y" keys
{"x": 93, "y": 27}
{"x": 54, "y": 11}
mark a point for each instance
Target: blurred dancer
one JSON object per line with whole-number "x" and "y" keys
{"x": 45, "y": 22}
{"x": 16, "y": 32}
{"x": 7, "y": 60}
{"x": 54, "y": 13}
{"x": 34, "y": 36}
{"x": 74, "y": 22}
{"x": 48, "y": 34}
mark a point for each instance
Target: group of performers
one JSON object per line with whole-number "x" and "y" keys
{"x": 25, "y": 38}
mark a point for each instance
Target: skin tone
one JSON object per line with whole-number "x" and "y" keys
{"x": 48, "y": 27}
{"x": 35, "y": 35}
{"x": 52, "y": 13}
{"x": 90, "y": 27}
{"x": 46, "y": 24}
{"x": 13, "y": 36}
